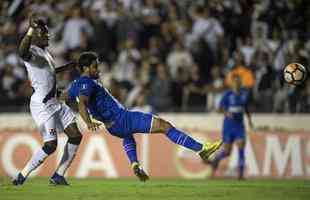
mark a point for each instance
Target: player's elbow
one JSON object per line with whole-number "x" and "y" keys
{"x": 220, "y": 110}
{"x": 23, "y": 54}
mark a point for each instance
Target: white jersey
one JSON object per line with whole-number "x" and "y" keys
{"x": 41, "y": 72}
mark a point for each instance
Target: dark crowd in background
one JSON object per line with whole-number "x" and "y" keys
{"x": 167, "y": 55}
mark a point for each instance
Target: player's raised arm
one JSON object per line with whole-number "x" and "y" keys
{"x": 82, "y": 105}
{"x": 24, "y": 47}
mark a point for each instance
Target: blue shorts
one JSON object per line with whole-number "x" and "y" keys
{"x": 233, "y": 132}
{"x": 131, "y": 122}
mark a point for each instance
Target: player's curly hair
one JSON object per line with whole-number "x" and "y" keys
{"x": 86, "y": 59}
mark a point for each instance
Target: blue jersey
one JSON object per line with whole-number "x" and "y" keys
{"x": 235, "y": 104}
{"x": 102, "y": 105}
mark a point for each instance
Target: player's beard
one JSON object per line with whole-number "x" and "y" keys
{"x": 43, "y": 43}
{"x": 95, "y": 75}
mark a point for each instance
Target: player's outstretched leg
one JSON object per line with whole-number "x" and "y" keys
{"x": 36, "y": 160}
{"x": 179, "y": 137}
{"x": 71, "y": 147}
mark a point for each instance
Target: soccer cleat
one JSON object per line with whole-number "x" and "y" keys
{"x": 208, "y": 149}
{"x": 19, "y": 180}
{"x": 139, "y": 172}
{"x": 241, "y": 175}
{"x": 56, "y": 179}
{"x": 241, "y": 178}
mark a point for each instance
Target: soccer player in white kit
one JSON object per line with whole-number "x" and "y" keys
{"x": 50, "y": 115}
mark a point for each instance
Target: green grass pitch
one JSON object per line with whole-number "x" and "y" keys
{"x": 159, "y": 189}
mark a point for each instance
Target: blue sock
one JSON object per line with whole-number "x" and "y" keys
{"x": 129, "y": 145}
{"x": 183, "y": 139}
{"x": 241, "y": 162}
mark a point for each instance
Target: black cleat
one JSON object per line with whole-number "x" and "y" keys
{"x": 56, "y": 179}
{"x": 19, "y": 180}
{"x": 140, "y": 173}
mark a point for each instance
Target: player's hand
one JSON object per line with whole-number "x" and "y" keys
{"x": 93, "y": 126}
{"x": 139, "y": 172}
{"x": 228, "y": 114}
{"x": 35, "y": 21}
{"x": 62, "y": 95}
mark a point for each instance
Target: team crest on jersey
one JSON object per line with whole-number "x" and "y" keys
{"x": 84, "y": 86}
{"x": 52, "y": 131}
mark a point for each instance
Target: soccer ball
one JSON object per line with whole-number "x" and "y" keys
{"x": 295, "y": 73}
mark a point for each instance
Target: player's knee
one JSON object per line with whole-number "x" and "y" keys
{"x": 75, "y": 140}
{"x": 165, "y": 125}
{"x": 241, "y": 146}
{"x": 50, "y": 147}
{"x": 72, "y": 131}
{"x": 241, "y": 143}
{"x": 227, "y": 150}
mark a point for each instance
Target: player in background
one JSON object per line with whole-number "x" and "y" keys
{"x": 50, "y": 115}
{"x": 234, "y": 104}
{"x": 93, "y": 99}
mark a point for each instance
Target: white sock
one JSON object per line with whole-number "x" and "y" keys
{"x": 67, "y": 158}
{"x": 36, "y": 160}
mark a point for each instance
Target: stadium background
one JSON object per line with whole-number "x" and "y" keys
{"x": 171, "y": 57}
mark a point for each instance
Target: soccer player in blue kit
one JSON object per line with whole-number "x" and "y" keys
{"x": 96, "y": 102}
{"x": 234, "y": 104}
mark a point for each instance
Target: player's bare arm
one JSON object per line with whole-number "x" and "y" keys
{"x": 248, "y": 114}
{"x": 82, "y": 106}
{"x": 24, "y": 47}
{"x": 66, "y": 67}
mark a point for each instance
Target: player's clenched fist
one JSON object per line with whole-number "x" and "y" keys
{"x": 93, "y": 126}
{"x": 139, "y": 172}
{"x": 35, "y": 21}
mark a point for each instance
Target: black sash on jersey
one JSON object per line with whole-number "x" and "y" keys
{"x": 51, "y": 93}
